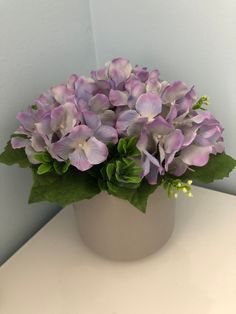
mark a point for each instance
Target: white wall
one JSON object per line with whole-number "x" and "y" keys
{"x": 192, "y": 40}
{"x": 41, "y": 43}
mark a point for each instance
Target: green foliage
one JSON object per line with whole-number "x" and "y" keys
{"x": 44, "y": 168}
{"x": 140, "y": 196}
{"x": 61, "y": 167}
{"x": 12, "y": 156}
{"x": 127, "y": 147}
{"x": 123, "y": 172}
{"x": 72, "y": 187}
{"x": 121, "y": 176}
{"x": 48, "y": 164}
{"x": 173, "y": 186}
{"x": 203, "y": 101}
{"x": 34, "y": 107}
{"x": 43, "y": 157}
{"x": 137, "y": 197}
{"x": 218, "y": 167}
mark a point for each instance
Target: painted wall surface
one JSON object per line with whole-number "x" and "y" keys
{"x": 41, "y": 43}
{"x": 191, "y": 40}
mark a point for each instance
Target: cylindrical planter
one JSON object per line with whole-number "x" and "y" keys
{"x": 116, "y": 230}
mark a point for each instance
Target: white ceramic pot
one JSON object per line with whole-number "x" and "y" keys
{"x": 116, "y": 230}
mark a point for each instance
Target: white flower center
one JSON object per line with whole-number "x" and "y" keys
{"x": 79, "y": 144}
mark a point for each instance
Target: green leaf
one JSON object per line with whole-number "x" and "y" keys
{"x": 204, "y": 100}
{"x": 132, "y": 150}
{"x": 127, "y": 162}
{"x": 43, "y": 157}
{"x": 12, "y": 156}
{"x": 109, "y": 170}
{"x": 218, "y": 167}
{"x": 34, "y": 107}
{"x": 137, "y": 197}
{"x": 66, "y": 166}
{"x": 121, "y": 147}
{"x": 132, "y": 142}
{"x": 102, "y": 185}
{"x": 44, "y": 168}
{"x": 61, "y": 167}
{"x": 64, "y": 189}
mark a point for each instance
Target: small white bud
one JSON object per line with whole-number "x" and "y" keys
{"x": 176, "y": 195}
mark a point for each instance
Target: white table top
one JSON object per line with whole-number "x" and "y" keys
{"x": 194, "y": 273}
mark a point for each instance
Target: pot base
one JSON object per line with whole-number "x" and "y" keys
{"x": 116, "y": 230}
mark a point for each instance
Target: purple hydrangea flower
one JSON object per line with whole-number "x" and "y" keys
{"x": 81, "y": 148}
{"x": 75, "y": 121}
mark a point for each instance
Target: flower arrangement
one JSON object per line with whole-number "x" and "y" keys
{"x": 122, "y": 130}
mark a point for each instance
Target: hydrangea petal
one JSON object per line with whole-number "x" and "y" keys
{"x": 100, "y": 75}
{"x": 118, "y": 98}
{"x": 73, "y": 141}
{"x": 134, "y": 87}
{"x": 96, "y": 151}
{"x": 63, "y": 148}
{"x": 218, "y": 148}
{"x": 30, "y": 152}
{"x": 62, "y": 94}
{"x": 19, "y": 142}
{"x": 152, "y": 176}
{"x": 99, "y": 103}
{"x": 142, "y": 143}
{"x": 71, "y": 81}
{"x": 159, "y": 126}
{"x": 135, "y": 128}
{"x": 149, "y": 105}
{"x": 79, "y": 160}
{"x": 172, "y": 114}
{"x": 63, "y": 118}
{"x": 44, "y": 126}
{"x": 196, "y": 155}
{"x": 46, "y": 101}
{"x": 154, "y": 75}
{"x": 152, "y": 159}
{"x": 186, "y": 103}
{"x": 85, "y": 88}
{"x": 80, "y": 133}
{"x": 146, "y": 166}
{"x": 199, "y": 118}
{"x": 106, "y": 134}
{"x": 177, "y": 167}
{"x": 146, "y": 142}
{"x": 152, "y": 86}
{"x": 125, "y": 119}
{"x": 174, "y": 91}
{"x": 173, "y": 141}
{"x": 141, "y": 73}
{"x": 27, "y": 120}
{"x": 119, "y": 70}
{"x": 108, "y": 117}
{"x": 92, "y": 120}
{"x": 38, "y": 143}
{"x": 21, "y": 130}
{"x": 189, "y": 135}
